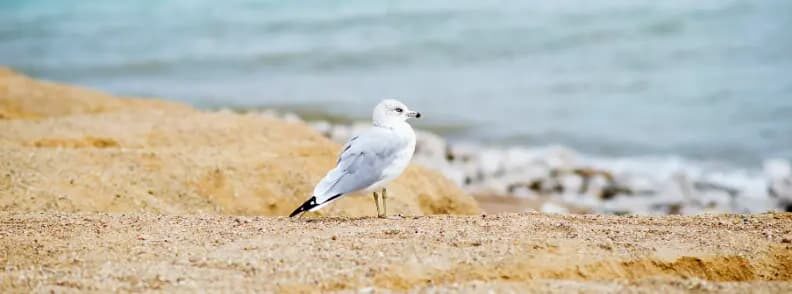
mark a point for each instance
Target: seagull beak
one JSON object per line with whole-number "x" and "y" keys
{"x": 414, "y": 114}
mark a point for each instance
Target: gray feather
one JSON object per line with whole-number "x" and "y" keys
{"x": 360, "y": 164}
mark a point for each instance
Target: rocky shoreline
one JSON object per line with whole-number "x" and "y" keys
{"x": 564, "y": 180}
{"x": 89, "y": 151}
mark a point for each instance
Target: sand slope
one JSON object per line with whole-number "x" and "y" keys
{"x": 514, "y": 252}
{"x": 69, "y": 149}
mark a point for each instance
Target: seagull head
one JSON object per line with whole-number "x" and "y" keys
{"x": 391, "y": 111}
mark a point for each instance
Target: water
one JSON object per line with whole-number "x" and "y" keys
{"x": 705, "y": 80}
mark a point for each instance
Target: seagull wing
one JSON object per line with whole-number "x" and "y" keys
{"x": 360, "y": 164}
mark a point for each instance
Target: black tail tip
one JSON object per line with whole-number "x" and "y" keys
{"x": 310, "y": 203}
{"x": 296, "y": 212}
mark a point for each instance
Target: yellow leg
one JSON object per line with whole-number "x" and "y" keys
{"x": 384, "y": 203}
{"x": 376, "y": 201}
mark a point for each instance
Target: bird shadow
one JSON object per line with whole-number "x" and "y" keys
{"x": 344, "y": 219}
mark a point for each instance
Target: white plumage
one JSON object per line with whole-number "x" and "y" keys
{"x": 369, "y": 160}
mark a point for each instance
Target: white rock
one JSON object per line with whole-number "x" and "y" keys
{"x": 518, "y": 158}
{"x": 430, "y": 145}
{"x": 754, "y": 205}
{"x": 638, "y": 205}
{"x": 464, "y": 152}
{"x": 224, "y": 111}
{"x": 549, "y": 207}
{"x": 322, "y": 127}
{"x": 291, "y": 117}
{"x": 571, "y": 183}
{"x": 489, "y": 161}
{"x": 268, "y": 113}
{"x": 340, "y": 134}
{"x": 717, "y": 200}
{"x": 559, "y": 157}
{"x": 524, "y": 192}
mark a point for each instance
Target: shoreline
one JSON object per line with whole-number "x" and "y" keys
{"x": 559, "y": 179}
{"x": 466, "y": 132}
{"x": 548, "y": 178}
{"x": 108, "y": 194}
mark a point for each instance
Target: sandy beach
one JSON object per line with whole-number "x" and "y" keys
{"x": 69, "y": 149}
{"x": 100, "y": 193}
{"x": 509, "y": 253}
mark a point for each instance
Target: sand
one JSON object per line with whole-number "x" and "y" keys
{"x": 509, "y": 252}
{"x": 100, "y": 193}
{"x": 68, "y": 149}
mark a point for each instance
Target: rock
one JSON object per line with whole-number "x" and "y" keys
{"x": 462, "y": 152}
{"x": 341, "y": 134}
{"x": 611, "y": 191}
{"x": 291, "y": 117}
{"x": 430, "y": 146}
{"x": 558, "y": 157}
{"x": 753, "y": 204}
{"x": 549, "y": 207}
{"x": 224, "y": 111}
{"x": 779, "y": 174}
{"x": 635, "y": 205}
{"x": 519, "y": 158}
{"x": 490, "y": 162}
{"x": 269, "y": 113}
{"x": 322, "y": 127}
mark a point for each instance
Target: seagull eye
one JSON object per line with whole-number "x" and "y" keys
{"x": 399, "y": 110}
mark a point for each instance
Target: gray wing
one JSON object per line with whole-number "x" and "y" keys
{"x": 360, "y": 164}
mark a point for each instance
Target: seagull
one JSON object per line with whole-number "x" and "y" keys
{"x": 369, "y": 160}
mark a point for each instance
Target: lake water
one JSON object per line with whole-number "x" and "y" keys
{"x": 704, "y": 80}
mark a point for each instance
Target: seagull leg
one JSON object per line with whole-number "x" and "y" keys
{"x": 376, "y": 201}
{"x": 384, "y": 203}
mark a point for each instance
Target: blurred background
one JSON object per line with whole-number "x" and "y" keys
{"x": 699, "y": 82}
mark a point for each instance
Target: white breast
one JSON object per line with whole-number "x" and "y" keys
{"x": 402, "y": 159}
